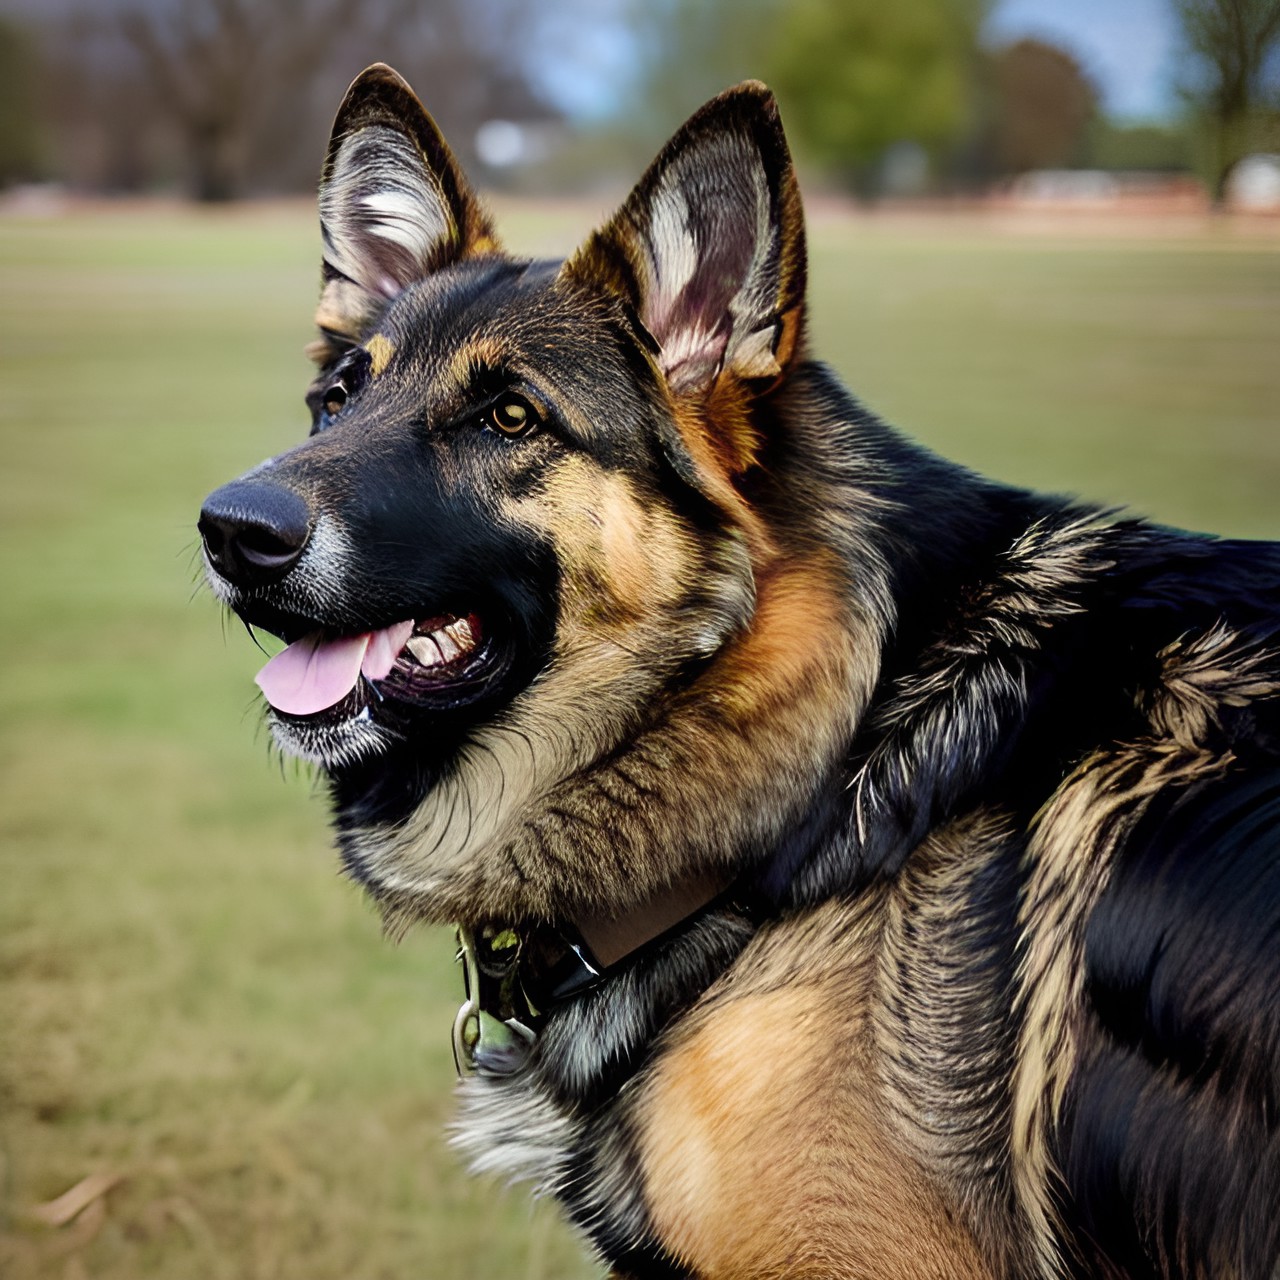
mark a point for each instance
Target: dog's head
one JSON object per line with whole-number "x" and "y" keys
{"x": 518, "y": 524}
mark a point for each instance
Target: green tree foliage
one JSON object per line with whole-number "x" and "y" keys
{"x": 1234, "y": 84}
{"x": 1154, "y": 148}
{"x": 21, "y": 149}
{"x": 857, "y": 76}
{"x": 854, "y": 77}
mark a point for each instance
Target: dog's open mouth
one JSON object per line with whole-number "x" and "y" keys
{"x": 335, "y": 698}
{"x": 430, "y": 661}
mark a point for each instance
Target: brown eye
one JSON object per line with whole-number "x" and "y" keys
{"x": 334, "y": 399}
{"x": 512, "y": 416}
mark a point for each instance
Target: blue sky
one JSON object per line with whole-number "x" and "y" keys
{"x": 1127, "y": 46}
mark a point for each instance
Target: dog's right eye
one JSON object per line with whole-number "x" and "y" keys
{"x": 327, "y": 400}
{"x": 512, "y": 416}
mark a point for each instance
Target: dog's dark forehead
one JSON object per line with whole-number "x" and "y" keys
{"x": 512, "y": 304}
{"x": 521, "y": 322}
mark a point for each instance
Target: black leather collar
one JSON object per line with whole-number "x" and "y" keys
{"x": 514, "y": 977}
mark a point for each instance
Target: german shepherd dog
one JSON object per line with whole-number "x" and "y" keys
{"x": 862, "y": 868}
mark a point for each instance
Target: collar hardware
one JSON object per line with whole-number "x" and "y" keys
{"x": 513, "y": 976}
{"x": 495, "y": 1025}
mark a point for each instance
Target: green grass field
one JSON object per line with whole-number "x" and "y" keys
{"x": 192, "y": 999}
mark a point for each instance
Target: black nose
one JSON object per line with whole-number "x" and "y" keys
{"x": 254, "y": 532}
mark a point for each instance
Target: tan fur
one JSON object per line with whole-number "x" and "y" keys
{"x": 381, "y": 349}
{"x": 1204, "y": 679}
{"x": 736, "y": 439}
{"x": 798, "y": 611}
{"x": 473, "y": 355}
{"x": 643, "y": 552}
{"x": 609, "y": 544}
{"x": 698, "y": 429}
{"x": 763, "y": 1134}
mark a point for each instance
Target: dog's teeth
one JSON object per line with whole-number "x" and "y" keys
{"x": 448, "y": 645}
{"x": 425, "y": 649}
{"x": 443, "y": 645}
{"x": 461, "y": 634}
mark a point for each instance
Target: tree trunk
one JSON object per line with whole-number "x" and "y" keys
{"x": 214, "y": 179}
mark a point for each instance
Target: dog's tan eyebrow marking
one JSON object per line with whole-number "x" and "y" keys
{"x": 483, "y": 366}
{"x": 476, "y": 358}
{"x": 380, "y": 349}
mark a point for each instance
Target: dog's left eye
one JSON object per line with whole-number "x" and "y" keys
{"x": 335, "y": 398}
{"x": 512, "y": 416}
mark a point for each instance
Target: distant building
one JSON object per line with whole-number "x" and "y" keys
{"x": 1127, "y": 190}
{"x": 1254, "y": 184}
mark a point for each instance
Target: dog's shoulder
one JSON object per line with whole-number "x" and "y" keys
{"x": 762, "y": 1127}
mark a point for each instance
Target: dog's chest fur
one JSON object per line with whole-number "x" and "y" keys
{"x": 792, "y": 1096}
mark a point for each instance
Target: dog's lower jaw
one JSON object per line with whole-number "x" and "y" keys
{"x": 334, "y": 744}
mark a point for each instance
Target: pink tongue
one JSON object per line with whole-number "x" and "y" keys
{"x": 312, "y": 674}
{"x": 384, "y": 649}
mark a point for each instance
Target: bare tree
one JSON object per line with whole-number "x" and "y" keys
{"x": 237, "y": 96}
{"x": 212, "y": 63}
{"x": 1236, "y": 44}
{"x": 244, "y": 80}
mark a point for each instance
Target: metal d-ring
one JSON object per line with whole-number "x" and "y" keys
{"x": 475, "y": 1028}
{"x": 464, "y": 1047}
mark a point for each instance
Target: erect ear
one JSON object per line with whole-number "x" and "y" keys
{"x": 394, "y": 205}
{"x": 709, "y": 247}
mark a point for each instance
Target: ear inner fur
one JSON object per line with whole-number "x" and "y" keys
{"x": 709, "y": 249}
{"x": 394, "y": 206}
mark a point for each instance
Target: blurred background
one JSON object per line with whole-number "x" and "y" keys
{"x": 1096, "y": 100}
{"x": 1045, "y": 240}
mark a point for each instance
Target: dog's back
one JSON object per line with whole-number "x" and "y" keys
{"x": 862, "y": 868}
